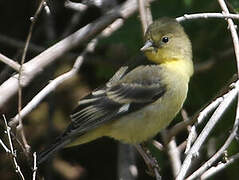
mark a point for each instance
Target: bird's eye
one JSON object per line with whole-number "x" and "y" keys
{"x": 165, "y": 39}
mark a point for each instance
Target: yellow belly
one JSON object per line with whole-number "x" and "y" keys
{"x": 147, "y": 122}
{"x": 140, "y": 126}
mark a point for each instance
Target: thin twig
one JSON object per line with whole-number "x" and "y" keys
{"x": 53, "y": 84}
{"x": 201, "y": 117}
{"x": 4, "y": 147}
{"x": 233, "y": 31}
{"x": 33, "y": 20}
{"x": 13, "y": 64}
{"x": 20, "y": 125}
{"x": 214, "y": 170}
{"x": 206, "y": 16}
{"x": 218, "y": 154}
{"x": 182, "y": 146}
{"x": 221, "y": 150}
{"x": 145, "y": 14}
{"x": 112, "y": 28}
{"x": 34, "y": 174}
{"x": 46, "y": 8}
{"x": 228, "y": 98}
{"x": 12, "y": 152}
{"x": 191, "y": 138}
{"x": 150, "y": 161}
{"x": 191, "y": 130}
{"x": 174, "y": 156}
{"x": 158, "y": 145}
{"x": 208, "y": 109}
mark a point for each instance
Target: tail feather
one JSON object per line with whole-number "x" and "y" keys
{"x": 44, "y": 155}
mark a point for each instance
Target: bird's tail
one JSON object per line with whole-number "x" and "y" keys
{"x": 60, "y": 143}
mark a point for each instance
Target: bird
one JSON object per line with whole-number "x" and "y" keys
{"x": 139, "y": 100}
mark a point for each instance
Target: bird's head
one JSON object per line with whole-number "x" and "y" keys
{"x": 165, "y": 40}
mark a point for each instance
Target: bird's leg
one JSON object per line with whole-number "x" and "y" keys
{"x": 149, "y": 160}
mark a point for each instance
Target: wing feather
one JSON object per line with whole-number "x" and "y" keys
{"x": 112, "y": 101}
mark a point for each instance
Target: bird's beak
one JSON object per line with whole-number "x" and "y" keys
{"x": 147, "y": 46}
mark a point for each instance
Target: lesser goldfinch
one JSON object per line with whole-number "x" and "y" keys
{"x": 136, "y": 103}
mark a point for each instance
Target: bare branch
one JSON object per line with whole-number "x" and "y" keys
{"x": 4, "y": 147}
{"x": 215, "y": 103}
{"x": 191, "y": 130}
{"x": 219, "y": 153}
{"x": 20, "y": 125}
{"x": 37, "y": 64}
{"x": 213, "y": 170}
{"x": 150, "y": 161}
{"x": 52, "y": 85}
{"x": 158, "y": 145}
{"x": 174, "y": 156}
{"x": 13, "y": 64}
{"x": 221, "y": 150}
{"x": 206, "y": 16}
{"x": 34, "y": 166}
{"x": 145, "y": 14}
{"x": 208, "y": 109}
{"x": 46, "y": 7}
{"x": 33, "y": 20}
{"x": 232, "y": 135}
{"x": 112, "y": 28}
{"x": 233, "y": 31}
{"x": 202, "y": 115}
{"x": 12, "y": 152}
{"x": 191, "y": 137}
{"x": 227, "y": 99}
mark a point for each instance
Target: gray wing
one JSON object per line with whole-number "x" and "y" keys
{"x": 119, "y": 97}
{"x": 113, "y": 101}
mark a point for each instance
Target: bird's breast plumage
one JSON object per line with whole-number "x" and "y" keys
{"x": 147, "y": 122}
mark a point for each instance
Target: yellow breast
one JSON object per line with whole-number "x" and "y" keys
{"x": 146, "y": 123}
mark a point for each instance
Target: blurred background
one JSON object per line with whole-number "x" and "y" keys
{"x": 214, "y": 67}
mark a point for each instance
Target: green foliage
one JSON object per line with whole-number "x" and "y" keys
{"x": 234, "y": 5}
